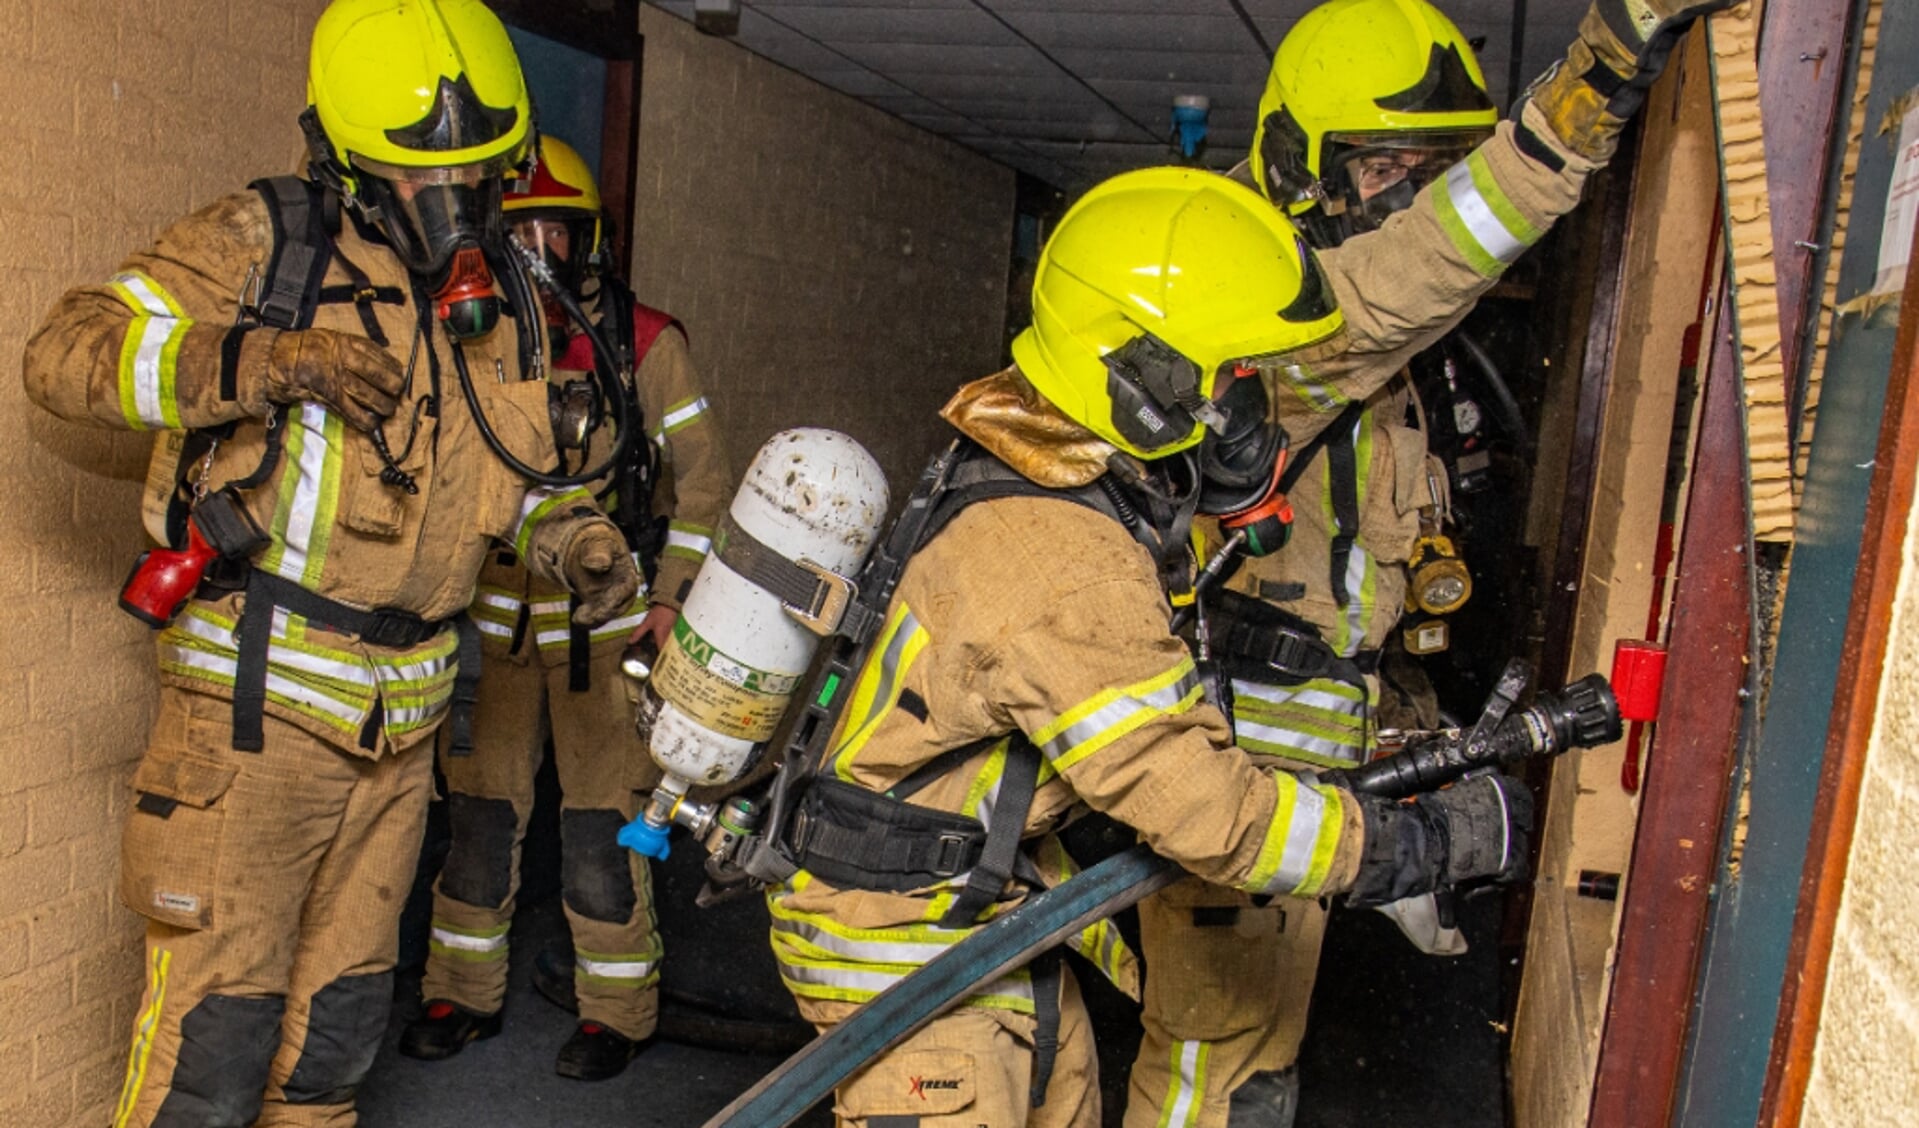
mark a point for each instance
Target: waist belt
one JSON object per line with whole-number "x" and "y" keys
{"x": 861, "y": 839}
{"x": 386, "y": 627}
{"x": 1258, "y": 641}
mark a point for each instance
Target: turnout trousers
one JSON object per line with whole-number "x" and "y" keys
{"x": 1228, "y": 982}
{"x": 606, "y": 889}
{"x": 973, "y": 1066}
{"x": 272, "y": 882}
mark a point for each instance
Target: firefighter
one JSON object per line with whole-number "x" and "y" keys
{"x": 314, "y": 341}
{"x": 1376, "y": 134}
{"x": 546, "y": 675}
{"x": 1025, "y": 666}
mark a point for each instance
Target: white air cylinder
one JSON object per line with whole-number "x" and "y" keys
{"x": 737, "y": 656}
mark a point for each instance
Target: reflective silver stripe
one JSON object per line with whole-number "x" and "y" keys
{"x": 692, "y": 542}
{"x": 1182, "y": 1104}
{"x": 877, "y": 981}
{"x": 1249, "y": 732}
{"x": 416, "y": 714}
{"x": 1314, "y": 390}
{"x": 551, "y": 607}
{"x": 553, "y": 638}
{"x": 416, "y": 671}
{"x": 492, "y": 628}
{"x": 304, "y": 506}
{"x": 155, "y": 332}
{"x": 1297, "y": 695}
{"x": 1477, "y": 216}
{"x": 617, "y": 626}
{"x": 503, "y": 602}
{"x": 1302, "y": 831}
{"x": 1117, "y": 711}
{"x": 291, "y": 690}
{"x": 672, "y": 419}
{"x": 864, "y": 951}
{"x": 615, "y": 969}
{"x": 467, "y": 943}
{"x": 1357, "y": 564}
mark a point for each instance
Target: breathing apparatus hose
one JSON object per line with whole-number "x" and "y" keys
{"x": 612, "y": 388}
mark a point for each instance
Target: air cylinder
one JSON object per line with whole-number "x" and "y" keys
{"x": 739, "y": 651}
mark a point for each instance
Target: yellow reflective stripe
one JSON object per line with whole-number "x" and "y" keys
{"x": 1325, "y": 847}
{"x": 878, "y": 687}
{"x": 1187, "y": 1094}
{"x": 1321, "y": 721}
{"x": 622, "y": 969}
{"x": 309, "y": 495}
{"x": 1480, "y": 219}
{"x": 149, "y": 353}
{"x": 304, "y": 699}
{"x": 1320, "y": 395}
{"x": 1110, "y": 714}
{"x": 1290, "y": 852}
{"x": 158, "y": 963}
{"x": 537, "y": 506}
{"x": 983, "y": 793}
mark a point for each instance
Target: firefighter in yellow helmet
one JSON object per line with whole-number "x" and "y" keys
{"x": 546, "y": 675}
{"x": 1375, "y": 133}
{"x": 1026, "y": 667}
{"x": 338, "y": 501}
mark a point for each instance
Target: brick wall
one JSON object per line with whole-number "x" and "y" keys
{"x": 834, "y": 266}
{"x": 118, "y": 118}
{"x": 1863, "y": 1066}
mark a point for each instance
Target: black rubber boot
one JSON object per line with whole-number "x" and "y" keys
{"x": 595, "y": 1053}
{"x": 444, "y": 1030}
{"x": 553, "y": 977}
{"x": 1266, "y": 1100}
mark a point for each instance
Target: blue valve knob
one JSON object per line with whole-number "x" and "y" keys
{"x": 642, "y": 837}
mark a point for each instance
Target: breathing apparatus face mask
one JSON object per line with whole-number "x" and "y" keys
{"x": 565, "y": 244}
{"x": 1371, "y": 176}
{"x": 1156, "y": 401}
{"x": 445, "y": 225}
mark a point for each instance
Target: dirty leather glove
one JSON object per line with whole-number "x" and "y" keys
{"x": 351, "y": 375}
{"x": 600, "y": 572}
{"x": 1602, "y": 81}
{"x": 1477, "y": 828}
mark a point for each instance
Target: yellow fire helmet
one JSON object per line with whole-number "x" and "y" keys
{"x": 426, "y": 93}
{"x": 1154, "y": 290}
{"x": 1367, "y": 101}
{"x": 556, "y": 213}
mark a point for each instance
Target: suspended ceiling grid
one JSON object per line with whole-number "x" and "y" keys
{"x": 1073, "y": 91}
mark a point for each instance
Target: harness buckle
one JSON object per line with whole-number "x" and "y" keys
{"x": 952, "y": 854}
{"x": 831, "y": 597}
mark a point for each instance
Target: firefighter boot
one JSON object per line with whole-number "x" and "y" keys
{"x": 596, "y": 1053}
{"x": 445, "y": 1029}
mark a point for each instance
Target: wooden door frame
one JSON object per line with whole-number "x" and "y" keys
{"x": 610, "y": 31}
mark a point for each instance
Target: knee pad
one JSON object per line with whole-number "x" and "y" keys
{"x": 226, "y": 1049}
{"x": 345, "y": 1022}
{"x": 479, "y": 869}
{"x": 595, "y": 876}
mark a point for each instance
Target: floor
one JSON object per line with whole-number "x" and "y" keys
{"x": 1397, "y": 1038}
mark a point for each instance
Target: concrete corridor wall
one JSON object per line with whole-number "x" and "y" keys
{"x": 835, "y": 266}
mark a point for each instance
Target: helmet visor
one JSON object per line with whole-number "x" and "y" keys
{"x": 428, "y": 213}
{"x": 1379, "y": 174}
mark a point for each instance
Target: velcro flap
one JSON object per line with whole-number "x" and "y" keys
{"x": 195, "y": 783}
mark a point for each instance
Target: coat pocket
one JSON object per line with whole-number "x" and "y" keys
{"x": 914, "y": 1083}
{"x": 170, "y": 852}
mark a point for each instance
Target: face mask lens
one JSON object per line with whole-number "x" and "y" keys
{"x": 564, "y": 244}
{"x": 428, "y": 214}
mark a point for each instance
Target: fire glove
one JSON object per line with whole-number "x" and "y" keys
{"x": 600, "y": 572}
{"x": 1476, "y": 829}
{"x": 1622, "y": 48}
{"x": 351, "y": 375}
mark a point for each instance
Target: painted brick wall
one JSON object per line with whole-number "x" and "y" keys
{"x": 119, "y": 118}
{"x": 833, "y": 265}
{"x": 1866, "y": 1063}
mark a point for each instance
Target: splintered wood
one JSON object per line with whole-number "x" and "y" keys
{"x": 1734, "y": 39}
